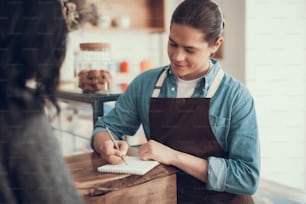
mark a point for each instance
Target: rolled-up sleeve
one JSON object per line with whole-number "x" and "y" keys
{"x": 239, "y": 172}
{"x": 216, "y": 174}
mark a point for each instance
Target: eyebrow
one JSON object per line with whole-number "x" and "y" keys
{"x": 186, "y": 47}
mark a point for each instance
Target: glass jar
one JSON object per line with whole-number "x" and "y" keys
{"x": 94, "y": 67}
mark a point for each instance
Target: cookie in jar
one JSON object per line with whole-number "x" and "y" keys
{"x": 91, "y": 81}
{"x": 95, "y": 64}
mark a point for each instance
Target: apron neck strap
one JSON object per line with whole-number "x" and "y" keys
{"x": 159, "y": 83}
{"x": 215, "y": 84}
{"x": 211, "y": 91}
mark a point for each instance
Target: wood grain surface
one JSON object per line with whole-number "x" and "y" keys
{"x": 157, "y": 186}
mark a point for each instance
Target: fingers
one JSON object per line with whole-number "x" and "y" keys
{"x": 153, "y": 150}
{"x": 110, "y": 154}
{"x": 115, "y": 158}
{"x": 146, "y": 151}
{"x": 123, "y": 147}
{"x": 107, "y": 149}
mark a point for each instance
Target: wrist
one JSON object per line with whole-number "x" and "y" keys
{"x": 98, "y": 139}
{"x": 176, "y": 159}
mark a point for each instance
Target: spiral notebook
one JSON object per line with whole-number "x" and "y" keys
{"x": 135, "y": 166}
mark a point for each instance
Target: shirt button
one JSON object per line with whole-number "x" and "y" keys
{"x": 172, "y": 89}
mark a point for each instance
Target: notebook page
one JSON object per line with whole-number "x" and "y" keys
{"x": 135, "y": 166}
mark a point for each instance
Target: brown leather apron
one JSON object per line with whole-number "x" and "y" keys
{"x": 183, "y": 124}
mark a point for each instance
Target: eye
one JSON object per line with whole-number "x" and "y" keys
{"x": 190, "y": 51}
{"x": 172, "y": 44}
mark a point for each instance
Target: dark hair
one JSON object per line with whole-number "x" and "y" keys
{"x": 32, "y": 46}
{"x": 204, "y": 15}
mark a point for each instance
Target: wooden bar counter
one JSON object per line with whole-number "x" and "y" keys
{"x": 157, "y": 186}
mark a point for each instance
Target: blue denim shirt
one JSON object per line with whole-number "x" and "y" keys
{"x": 232, "y": 118}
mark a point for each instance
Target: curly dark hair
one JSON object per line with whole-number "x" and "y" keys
{"x": 87, "y": 12}
{"x": 32, "y": 46}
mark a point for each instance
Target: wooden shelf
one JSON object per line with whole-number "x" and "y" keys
{"x": 145, "y": 15}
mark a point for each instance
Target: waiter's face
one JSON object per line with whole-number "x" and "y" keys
{"x": 188, "y": 52}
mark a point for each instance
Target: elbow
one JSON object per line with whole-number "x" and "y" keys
{"x": 251, "y": 190}
{"x": 247, "y": 184}
{"x": 250, "y": 186}
{"x": 253, "y": 185}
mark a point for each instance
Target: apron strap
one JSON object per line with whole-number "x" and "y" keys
{"x": 215, "y": 84}
{"x": 211, "y": 91}
{"x": 159, "y": 83}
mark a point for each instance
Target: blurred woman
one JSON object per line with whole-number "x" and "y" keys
{"x": 32, "y": 46}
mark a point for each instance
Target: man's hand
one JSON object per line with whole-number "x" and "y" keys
{"x": 105, "y": 147}
{"x": 153, "y": 150}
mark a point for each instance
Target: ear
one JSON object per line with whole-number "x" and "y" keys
{"x": 214, "y": 48}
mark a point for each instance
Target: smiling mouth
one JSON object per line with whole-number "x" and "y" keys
{"x": 178, "y": 65}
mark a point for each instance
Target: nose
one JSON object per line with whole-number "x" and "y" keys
{"x": 178, "y": 55}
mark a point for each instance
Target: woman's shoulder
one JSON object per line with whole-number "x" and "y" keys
{"x": 32, "y": 124}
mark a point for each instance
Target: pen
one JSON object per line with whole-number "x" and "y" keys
{"x": 115, "y": 143}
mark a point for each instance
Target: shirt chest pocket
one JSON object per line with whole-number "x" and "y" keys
{"x": 218, "y": 122}
{"x": 220, "y": 127}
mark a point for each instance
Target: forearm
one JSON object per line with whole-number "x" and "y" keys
{"x": 192, "y": 165}
{"x": 217, "y": 175}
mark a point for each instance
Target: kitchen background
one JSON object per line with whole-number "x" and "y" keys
{"x": 264, "y": 48}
